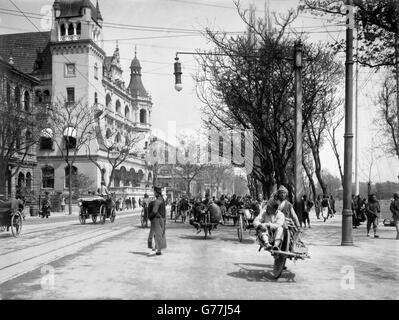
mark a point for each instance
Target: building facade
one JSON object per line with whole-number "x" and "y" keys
{"x": 72, "y": 66}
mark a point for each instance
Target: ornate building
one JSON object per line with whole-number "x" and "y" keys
{"x": 72, "y": 65}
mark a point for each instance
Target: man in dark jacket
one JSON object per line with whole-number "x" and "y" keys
{"x": 158, "y": 224}
{"x": 394, "y": 207}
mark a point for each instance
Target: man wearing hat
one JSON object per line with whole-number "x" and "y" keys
{"x": 157, "y": 217}
{"x": 285, "y": 206}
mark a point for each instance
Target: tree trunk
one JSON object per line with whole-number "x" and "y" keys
{"x": 311, "y": 181}
{"x": 70, "y": 189}
{"x": 3, "y": 170}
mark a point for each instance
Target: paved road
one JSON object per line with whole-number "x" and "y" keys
{"x": 74, "y": 261}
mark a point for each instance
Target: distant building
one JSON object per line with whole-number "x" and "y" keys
{"x": 16, "y": 90}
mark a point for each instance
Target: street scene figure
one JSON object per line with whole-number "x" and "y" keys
{"x": 372, "y": 211}
{"x": 157, "y": 216}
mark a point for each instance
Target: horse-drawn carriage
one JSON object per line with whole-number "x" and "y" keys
{"x": 96, "y": 207}
{"x": 11, "y": 216}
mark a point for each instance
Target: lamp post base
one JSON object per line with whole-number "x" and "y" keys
{"x": 347, "y": 239}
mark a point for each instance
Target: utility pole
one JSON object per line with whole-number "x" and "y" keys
{"x": 397, "y": 78}
{"x": 347, "y": 239}
{"x": 298, "y": 125}
{"x": 357, "y": 191}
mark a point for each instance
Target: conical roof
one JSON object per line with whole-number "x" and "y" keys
{"x": 136, "y": 86}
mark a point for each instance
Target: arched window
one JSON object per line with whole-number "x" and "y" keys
{"x": 27, "y": 101}
{"x": 38, "y": 96}
{"x": 96, "y": 70}
{"x": 28, "y": 181}
{"x": 127, "y": 112}
{"x": 108, "y": 101}
{"x": 74, "y": 172}
{"x": 17, "y": 94}
{"x": 108, "y": 133}
{"x": 70, "y": 29}
{"x": 118, "y": 138}
{"x": 103, "y": 172}
{"x": 28, "y": 141}
{"x": 118, "y": 107}
{"x": 143, "y": 116}
{"x": 46, "y": 96}
{"x": 63, "y": 30}
{"x": 70, "y": 138}
{"x": 95, "y": 98}
{"x": 79, "y": 28}
{"x": 48, "y": 177}
{"x": 21, "y": 180}
{"x": 46, "y": 139}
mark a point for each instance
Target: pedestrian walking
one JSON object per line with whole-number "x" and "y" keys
{"x": 332, "y": 206}
{"x": 372, "y": 211}
{"x": 306, "y": 206}
{"x": 317, "y": 206}
{"x": 62, "y": 204}
{"x": 157, "y": 217}
{"x": 355, "y": 221}
{"x": 394, "y": 207}
{"x": 325, "y": 207}
{"x": 134, "y": 202}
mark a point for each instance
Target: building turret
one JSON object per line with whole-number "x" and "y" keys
{"x": 136, "y": 86}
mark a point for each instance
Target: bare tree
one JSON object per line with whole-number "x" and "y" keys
{"x": 74, "y": 126}
{"x": 117, "y": 148}
{"x": 333, "y": 141}
{"x": 20, "y": 130}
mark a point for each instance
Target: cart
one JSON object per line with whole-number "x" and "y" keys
{"x": 97, "y": 207}
{"x": 11, "y": 216}
{"x": 232, "y": 213}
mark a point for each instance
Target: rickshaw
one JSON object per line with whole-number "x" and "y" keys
{"x": 231, "y": 212}
{"x": 205, "y": 220}
{"x": 96, "y": 207}
{"x": 291, "y": 247}
{"x": 11, "y": 216}
{"x": 245, "y": 221}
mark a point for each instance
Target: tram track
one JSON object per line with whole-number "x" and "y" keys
{"x": 17, "y": 263}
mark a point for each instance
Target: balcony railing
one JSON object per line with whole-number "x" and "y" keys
{"x": 72, "y": 37}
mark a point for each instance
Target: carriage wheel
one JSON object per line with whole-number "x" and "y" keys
{"x": 16, "y": 223}
{"x": 113, "y": 215}
{"x": 103, "y": 214}
{"x": 82, "y": 216}
{"x": 94, "y": 218}
{"x": 240, "y": 228}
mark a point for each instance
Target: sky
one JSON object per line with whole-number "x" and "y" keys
{"x": 150, "y": 23}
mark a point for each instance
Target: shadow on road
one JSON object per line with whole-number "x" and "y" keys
{"x": 141, "y": 253}
{"x": 260, "y": 275}
{"x": 246, "y": 241}
{"x": 197, "y": 237}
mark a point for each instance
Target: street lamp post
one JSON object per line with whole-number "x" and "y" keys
{"x": 298, "y": 125}
{"x": 347, "y": 239}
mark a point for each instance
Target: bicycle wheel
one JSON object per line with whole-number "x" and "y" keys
{"x": 16, "y": 223}
{"x": 240, "y": 228}
{"x": 113, "y": 215}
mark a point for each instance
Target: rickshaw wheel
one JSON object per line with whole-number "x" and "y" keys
{"x": 240, "y": 228}
{"x": 103, "y": 214}
{"x": 82, "y": 216}
{"x": 113, "y": 215}
{"x": 16, "y": 223}
{"x": 279, "y": 264}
